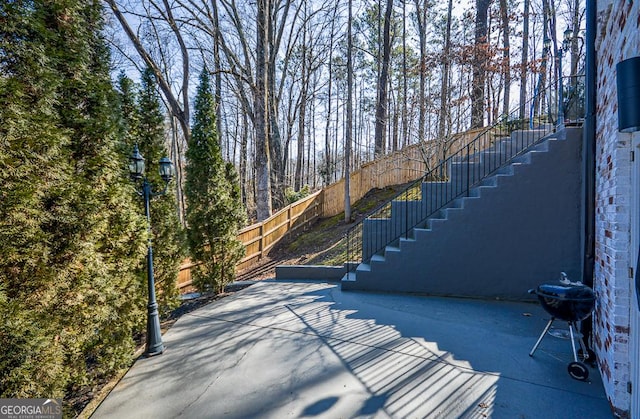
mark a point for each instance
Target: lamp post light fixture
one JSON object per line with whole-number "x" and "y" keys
{"x": 154, "y": 345}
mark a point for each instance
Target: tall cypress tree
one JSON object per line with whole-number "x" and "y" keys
{"x": 104, "y": 239}
{"x": 127, "y": 111}
{"x": 34, "y": 175}
{"x": 214, "y": 205}
{"x": 143, "y": 122}
{"x": 72, "y": 236}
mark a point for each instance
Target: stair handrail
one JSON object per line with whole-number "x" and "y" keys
{"x": 386, "y": 231}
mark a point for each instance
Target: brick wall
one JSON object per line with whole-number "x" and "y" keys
{"x": 617, "y": 39}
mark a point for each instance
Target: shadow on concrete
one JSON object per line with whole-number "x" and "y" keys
{"x": 295, "y": 349}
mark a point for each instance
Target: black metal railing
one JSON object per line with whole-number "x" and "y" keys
{"x": 421, "y": 203}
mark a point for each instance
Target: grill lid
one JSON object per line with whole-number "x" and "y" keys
{"x": 566, "y": 292}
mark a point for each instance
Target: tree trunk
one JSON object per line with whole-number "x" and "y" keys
{"x": 217, "y": 67}
{"x": 261, "y": 107}
{"x": 383, "y": 82}
{"x": 444, "y": 120}
{"x": 479, "y": 71}
{"x": 506, "y": 56}
{"x": 349, "y": 128}
{"x": 176, "y": 157}
{"x": 302, "y": 114}
{"x": 327, "y": 170}
{"x": 405, "y": 88}
{"x": 421, "y": 16}
{"x": 525, "y": 60}
{"x": 275, "y": 31}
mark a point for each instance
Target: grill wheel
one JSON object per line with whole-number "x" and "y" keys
{"x": 578, "y": 370}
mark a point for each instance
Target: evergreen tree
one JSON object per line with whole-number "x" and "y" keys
{"x": 214, "y": 205}
{"x": 128, "y": 111}
{"x": 33, "y": 175}
{"x": 71, "y": 234}
{"x": 144, "y": 124}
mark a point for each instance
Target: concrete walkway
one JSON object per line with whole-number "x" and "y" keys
{"x": 301, "y": 349}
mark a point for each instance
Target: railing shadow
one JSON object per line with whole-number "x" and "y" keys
{"x": 308, "y": 350}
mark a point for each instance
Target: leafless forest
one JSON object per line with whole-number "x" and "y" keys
{"x": 307, "y": 89}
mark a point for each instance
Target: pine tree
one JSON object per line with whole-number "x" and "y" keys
{"x": 214, "y": 205}
{"x": 143, "y": 122}
{"x": 71, "y": 234}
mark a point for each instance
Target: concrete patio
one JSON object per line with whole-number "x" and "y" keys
{"x": 306, "y": 349}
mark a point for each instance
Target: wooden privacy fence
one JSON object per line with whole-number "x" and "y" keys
{"x": 259, "y": 238}
{"x": 399, "y": 167}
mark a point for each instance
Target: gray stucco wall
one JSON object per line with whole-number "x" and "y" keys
{"x": 511, "y": 237}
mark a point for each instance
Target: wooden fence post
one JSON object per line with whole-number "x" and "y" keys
{"x": 262, "y": 246}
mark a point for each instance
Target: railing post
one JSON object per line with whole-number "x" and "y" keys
{"x": 348, "y": 237}
{"x": 262, "y": 246}
{"x": 468, "y": 168}
{"x": 406, "y": 218}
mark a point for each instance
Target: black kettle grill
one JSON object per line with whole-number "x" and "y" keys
{"x": 570, "y": 302}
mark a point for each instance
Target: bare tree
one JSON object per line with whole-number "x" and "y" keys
{"x": 304, "y": 81}
{"x": 506, "y": 54}
{"x": 328, "y": 161}
{"x": 382, "y": 103}
{"x": 349, "y": 128}
{"x": 524, "y": 65}
{"x": 479, "y": 72}
{"x": 444, "y": 119}
{"x": 261, "y": 117}
{"x": 421, "y": 17}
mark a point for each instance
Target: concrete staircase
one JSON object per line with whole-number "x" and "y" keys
{"x": 516, "y": 228}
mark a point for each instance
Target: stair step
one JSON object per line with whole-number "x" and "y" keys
{"x": 523, "y": 159}
{"x": 435, "y": 222}
{"x": 491, "y": 181}
{"x": 349, "y": 277}
{"x": 363, "y": 267}
{"x": 391, "y": 249}
{"x": 377, "y": 258}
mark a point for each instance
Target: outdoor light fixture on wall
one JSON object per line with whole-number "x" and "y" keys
{"x": 154, "y": 344}
{"x": 628, "y": 84}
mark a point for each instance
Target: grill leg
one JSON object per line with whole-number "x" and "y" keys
{"x": 583, "y": 346}
{"x": 573, "y": 344}
{"x": 544, "y": 332}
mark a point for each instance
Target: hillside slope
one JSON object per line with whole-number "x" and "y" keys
{"x": 323, "y": 243}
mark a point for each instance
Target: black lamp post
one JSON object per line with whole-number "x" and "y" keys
{"x": 154, "y": 344}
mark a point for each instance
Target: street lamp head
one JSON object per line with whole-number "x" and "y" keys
{"x": 167, "y": 170}
{"x": 136, "y": 164}
{"x": 568, "y": 35}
